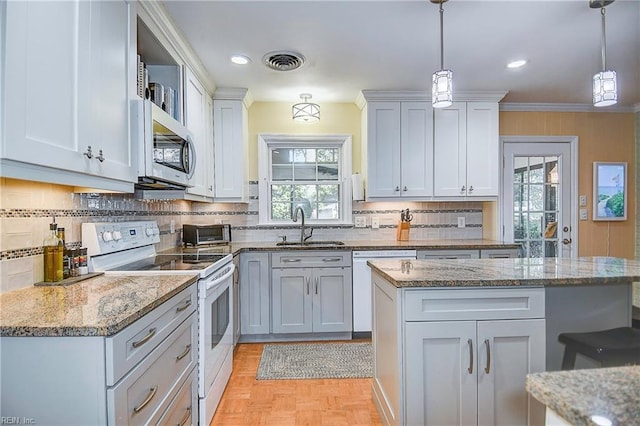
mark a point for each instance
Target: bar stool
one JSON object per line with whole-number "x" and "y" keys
{"x": 613, "y": 347}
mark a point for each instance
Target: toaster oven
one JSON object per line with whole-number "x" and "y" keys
{"x": 195, "y": 235}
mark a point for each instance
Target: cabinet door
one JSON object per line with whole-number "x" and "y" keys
{"x": 482, "y": 149}
{"x": 106, "y": 99}
{"x": 416, "y": 164}
{"x": 230, "y": 133}
{"x": 291, "y": 301}
{"x": 254, "y": 293}
{"x": 42, "y": 82}
{"x": 440, "y": 373}
{"x": 383, "y": 149}
{"x": 332, "y": 299}
{"x": 450, "y": 150}
{"x": 197, "y": 121}
{"x": 508, "y": 351}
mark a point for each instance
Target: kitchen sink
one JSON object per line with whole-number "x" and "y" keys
{"x": 310, "y": 243}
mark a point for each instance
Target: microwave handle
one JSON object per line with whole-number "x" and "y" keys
{"x": 191, "y": 167}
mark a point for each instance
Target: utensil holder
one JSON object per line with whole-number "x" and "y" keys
{"x": 403, "y": 231}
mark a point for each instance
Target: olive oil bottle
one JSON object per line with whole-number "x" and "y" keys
{"x": 53, "y": 252}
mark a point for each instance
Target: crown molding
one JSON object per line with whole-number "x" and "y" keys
{"x": 560, "y": 107}
{"x": 156, "y": 17}
{"x": 424, "y": 96}
{"x": 234, "y": 94}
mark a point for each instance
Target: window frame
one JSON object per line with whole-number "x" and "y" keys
{"x": 267, "y": 141}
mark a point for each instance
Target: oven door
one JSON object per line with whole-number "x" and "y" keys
{"x": 216, "y": 325}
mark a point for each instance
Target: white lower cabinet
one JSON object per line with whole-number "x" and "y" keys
{"x": 457, "y": 356}
{"x": 144, "y": 374}
{"x": 254, "y": 293}
{"x": 308, "y": 299}
{"x": 471, "y": 372}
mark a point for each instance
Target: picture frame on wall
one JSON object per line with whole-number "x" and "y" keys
{"x": 609, "y": 191}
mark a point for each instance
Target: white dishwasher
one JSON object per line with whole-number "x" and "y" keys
{"x": 362, "y": 283}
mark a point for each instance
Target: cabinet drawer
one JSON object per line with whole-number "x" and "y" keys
{"x": 146, "y": 391}
{"x": 499, "y": 253}
{"x": 184, "y": 408}
{"x": 476, "y": 304}
{"x": 128, "y": 347}
{"x": 316, "y": 258}
{"x": 448, "y": 254}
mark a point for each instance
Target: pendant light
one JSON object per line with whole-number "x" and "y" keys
{"x": 442, "y": 80}
{"x": 306, "y": 112}
{"x": 605, "y": 87}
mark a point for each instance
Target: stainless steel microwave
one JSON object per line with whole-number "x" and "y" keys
{"x": 196, "y": 235}
{"x": 166, "y": 152}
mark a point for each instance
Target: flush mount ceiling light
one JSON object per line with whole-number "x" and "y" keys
{"x": 240, "y": 59}
{"x": 442, "y": 80}
{"x": 605, "y": 86}
{"x": 306, "y": 112}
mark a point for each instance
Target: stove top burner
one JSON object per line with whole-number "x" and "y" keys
{"x": 174, "y": 262}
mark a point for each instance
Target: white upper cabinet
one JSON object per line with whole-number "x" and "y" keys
{"x": 198, "y": 119}
{"x": 68, "y": 82}
{"x": 466, "y": 150}
{"x": 231, "y": 144}
{"x": 398, "y": 156}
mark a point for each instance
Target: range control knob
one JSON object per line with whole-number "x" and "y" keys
{"x": 149, "y": 232}
{"x": 117, "y": 235}
{"x": 107, "y": 236}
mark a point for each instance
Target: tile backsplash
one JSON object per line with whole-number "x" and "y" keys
{"x": 27, "y": 208}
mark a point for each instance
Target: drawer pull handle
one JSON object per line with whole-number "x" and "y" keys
{"x": 186, "y": 305}
{"x": 291, "y": 260}
{"x": 470, "y": 369}
{"x": 183, "y": 354}
{"x": 332, "y": 259}
{"x": 152, "y": 393}
{"x": 186, "y": 417}
{"x": 487, "y": 367}
{"x": 308, "y": 280}
{"x": 316, "y": 285}
{"x": 145, "y": 339}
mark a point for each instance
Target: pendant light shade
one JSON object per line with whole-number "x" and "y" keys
{"x": 306, "y": 112}
{"x": 442, "y": 80}
{"x": 605, "y": 85}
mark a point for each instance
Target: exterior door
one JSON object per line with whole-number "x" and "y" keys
{"x": 537, "y": 188}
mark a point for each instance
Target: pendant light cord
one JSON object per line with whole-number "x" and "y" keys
{"x": 442, "y": 36}
{"x": 604, "y": 41}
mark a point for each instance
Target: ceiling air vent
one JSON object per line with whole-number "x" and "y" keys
{"x": 283, "y": 60}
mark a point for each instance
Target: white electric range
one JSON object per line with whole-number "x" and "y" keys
{"x": 128, "y": 248}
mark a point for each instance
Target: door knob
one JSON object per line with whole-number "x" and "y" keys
{"x": 567, "y": 241}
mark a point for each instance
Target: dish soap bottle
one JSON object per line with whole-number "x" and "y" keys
{"x": 53, "y": 252}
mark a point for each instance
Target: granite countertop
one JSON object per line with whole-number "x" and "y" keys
{"x": 237, "y": 247}
{"x": 99, "y": 306}
{"x": 579, "y": 396}
{"x": 506, "y": 272}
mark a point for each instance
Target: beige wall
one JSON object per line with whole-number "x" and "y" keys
{"x": 602, "y": 137}
{"x": 274, "y": 117}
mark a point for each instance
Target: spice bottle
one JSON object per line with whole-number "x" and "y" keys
{"x": 83, "y": 268}
{"x": 53, "y": 252}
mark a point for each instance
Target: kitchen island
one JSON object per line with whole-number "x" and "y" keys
{"x": 454, "y": 339}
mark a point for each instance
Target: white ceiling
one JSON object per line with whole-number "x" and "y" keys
{"x": 394, "y": 45}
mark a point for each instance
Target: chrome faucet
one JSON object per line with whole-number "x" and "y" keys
{"x": 303, "y": 237}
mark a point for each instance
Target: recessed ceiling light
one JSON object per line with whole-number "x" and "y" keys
{"x": 240, "y": 59}
{"x": 517, "y": 64}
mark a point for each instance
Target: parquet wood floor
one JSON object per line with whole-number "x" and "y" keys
{"x": 322, "y": 402}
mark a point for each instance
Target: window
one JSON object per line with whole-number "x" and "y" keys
{"x": 313, "y": 172}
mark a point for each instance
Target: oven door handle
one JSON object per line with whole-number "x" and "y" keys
{"x": 222, "y": 278}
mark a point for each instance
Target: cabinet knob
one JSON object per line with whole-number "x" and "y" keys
{"x": 464, "y": 188}
{"x": 404, "y": 189}
{"x": 397, "y": 188}
{"x": 100, "y": 157}
{"x": 471, "y": 188}
{"x": 88, "y": 153}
